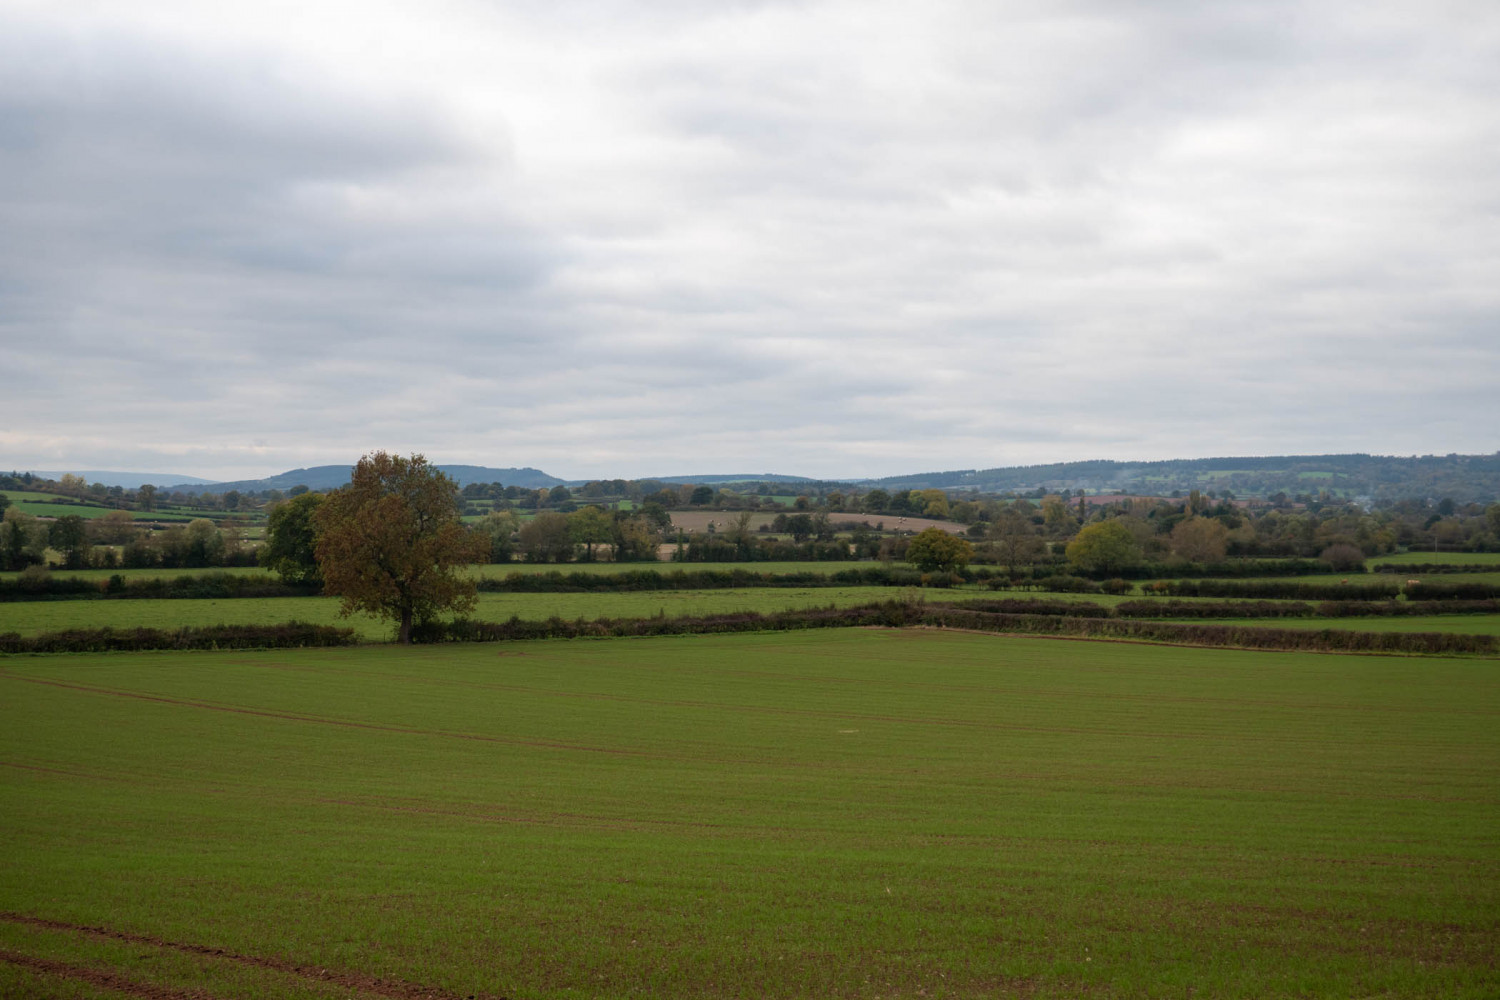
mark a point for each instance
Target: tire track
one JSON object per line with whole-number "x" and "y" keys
{"x": 391, "y": 988}
{"x": 344, "y": 723}
{"x": 105, "y": 980}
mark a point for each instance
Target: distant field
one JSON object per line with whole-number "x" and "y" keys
{"x": 699, "y": 520}
{"x": 1456, "y": 624}
{"x": 1444, "y": 558}
{"x": 34, "y": 617}
{"x": 857, "y": 813}
{"x": 37, "y": 508}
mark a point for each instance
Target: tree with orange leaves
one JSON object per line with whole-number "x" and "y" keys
{"x": 389, "y": 542}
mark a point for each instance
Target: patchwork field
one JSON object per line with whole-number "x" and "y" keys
{"x": 853, "y": 813}
{"x": 36, "y": 617}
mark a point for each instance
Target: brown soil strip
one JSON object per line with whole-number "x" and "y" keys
{"x": 105, "y": 980}
{"x": 394, "y": 989}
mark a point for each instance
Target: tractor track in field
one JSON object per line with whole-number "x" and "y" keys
{"x": 104, "y": 980}
{"x": 393, "y": 989}
{"x": 344, "y": 723}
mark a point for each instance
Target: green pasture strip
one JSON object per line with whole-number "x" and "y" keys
{"x": 36, "y": 617}
{"x": 834, "y": 813}
{"x": 89, "y": 513}
{"x": 1461, "y": 558}
{"x": 1458, "y": 624}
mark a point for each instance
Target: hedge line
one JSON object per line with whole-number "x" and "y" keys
{"x": 1265, "y": 590}
{"x": 1039, "y": 618}
{"x": 1214, "y": 609}
{"x": 1452, "y": 591}
{"x": 186, "y": 585}
{"x": 971, "y": 615}
{"x": 1420, "y": 569}
{"x": 106, "y": 640}
{"x": 1238, "y": 636}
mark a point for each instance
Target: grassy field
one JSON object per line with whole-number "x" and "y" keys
{"x": 1448, "y": 558}
{"x": 34, "y": 617}
{"x": 1457, "y": 624}
{"x": 851, "y": 813}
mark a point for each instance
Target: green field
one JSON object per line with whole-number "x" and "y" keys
{"x": 1449, "y": 558}
{"x": 851, "y": 813}
{"x": 1457, "y": 624}
{"x": 34, "y": 617}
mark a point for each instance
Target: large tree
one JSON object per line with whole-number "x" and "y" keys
{"x": 291, "y": 539}
{"x": 388, "y": 543}
{"x": 935, "y": 549}
{"x": 1104, "y": 547}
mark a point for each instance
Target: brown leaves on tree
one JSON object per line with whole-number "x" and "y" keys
{"x": 389, "y": 542}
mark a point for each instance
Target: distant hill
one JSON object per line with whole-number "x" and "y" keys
{"x": 1464, "y": 478}
{"x": 331, "y": 477}
{"x": 748, "y": 477}
{"x": 125, "y": 480}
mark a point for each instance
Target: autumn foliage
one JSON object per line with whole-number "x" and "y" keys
{"x": 388, "y": 543}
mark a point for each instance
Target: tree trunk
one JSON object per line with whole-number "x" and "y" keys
{"x": 405, "y": 637}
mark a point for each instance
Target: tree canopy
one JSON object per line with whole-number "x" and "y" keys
{"x": 388, "y": 542}
{"x": 1104, "y": 547}
{"x": 935, "y": 549}
{"x": 291, "y": 540}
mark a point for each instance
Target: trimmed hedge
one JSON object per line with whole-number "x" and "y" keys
{"x": 1270, "y": 590}
{"x": 1452, "y": 591}
{"x": 1416, "y": 569}
{"x": 195, "y": 585}
{"x": 1213, "y": 609}
{"x": 1237, "y": 636}
{"x": 973, "y": 616}
{"x": 108, "y": 640}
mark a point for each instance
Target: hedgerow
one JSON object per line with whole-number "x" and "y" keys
{"x": 187, "y": 585}
{"x": 1270, "y": 590}
{"x": 976, "y": 616}
{"x": 104, "y": 640}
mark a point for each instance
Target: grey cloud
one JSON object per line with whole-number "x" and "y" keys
{"x": 783, "y": 234}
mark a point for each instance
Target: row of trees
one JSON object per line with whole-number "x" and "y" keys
{"x": 116, "y": 540}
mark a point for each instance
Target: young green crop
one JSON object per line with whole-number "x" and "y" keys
{"x": 836, "y": 813}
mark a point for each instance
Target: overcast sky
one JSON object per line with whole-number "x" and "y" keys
{"x": 826, "y": 238}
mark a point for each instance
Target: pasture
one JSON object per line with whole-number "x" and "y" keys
{"x": 36, "y": 617}
{"x": 856, "y": 813}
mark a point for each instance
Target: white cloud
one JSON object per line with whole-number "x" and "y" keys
{"x": 833, "y": 238}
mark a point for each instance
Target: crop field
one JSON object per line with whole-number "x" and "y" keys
{"x": 35, "y": 617}
{"x": 1457, "y": 624}
{"x": 699, "y": 520}
{"x": 844, "y": 813}
{"x": 1449, "y": 558}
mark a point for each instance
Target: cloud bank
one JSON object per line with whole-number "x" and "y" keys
{"x": 828, "y": 238}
